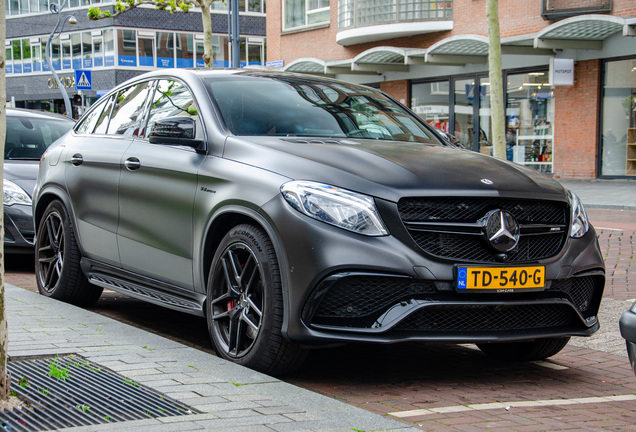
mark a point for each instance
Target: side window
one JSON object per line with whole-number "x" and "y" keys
{"x": 87, "y": 124}
{"x": 102, "y": 121}
{"x": 128, "y": 110}
{"x": 172, "y": 99}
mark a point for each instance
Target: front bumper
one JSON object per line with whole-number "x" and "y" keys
{"x": 343, "y": 287}
{"x": 19, "y": 232}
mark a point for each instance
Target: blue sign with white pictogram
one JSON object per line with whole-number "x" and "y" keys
{"x": 83, "y": 80}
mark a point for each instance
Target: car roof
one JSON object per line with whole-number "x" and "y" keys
{"x": 21, "y": 112}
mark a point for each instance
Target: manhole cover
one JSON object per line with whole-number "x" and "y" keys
{"x": 70, "y": 391}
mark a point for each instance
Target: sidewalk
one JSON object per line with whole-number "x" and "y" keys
{"x": 231, "y": 397}
{"x": 610, "y": 194}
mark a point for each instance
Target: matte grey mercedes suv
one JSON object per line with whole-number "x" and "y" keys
{"x": 294, "y": 211}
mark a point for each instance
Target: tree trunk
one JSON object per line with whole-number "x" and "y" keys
{"x": 4, "y": 379}
{"x": 496, "y": 84}
{"x": 208, "y": 53}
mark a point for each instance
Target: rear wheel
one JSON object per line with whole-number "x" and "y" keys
{"x": 245, "y": 304}
{"x": 538, "y": 349}
{"x": 57, "y": 260}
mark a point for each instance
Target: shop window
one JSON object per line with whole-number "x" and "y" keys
{"x": 34, "y": 6}
{"x": 109, "y": 48}
{"x": 165, "y": 49}
{"x": 618, "y": 140}
{"x": 76, "y": 48}
{"x": 185, "y": 50}
{"x": 530, "y": 120}
{"x": 17, "y": 56}
{"x": 8, "y": 55}
{"x": 127, "y": 47}
{"x": 430, "y": 101}
{"x": 300, "y": 13}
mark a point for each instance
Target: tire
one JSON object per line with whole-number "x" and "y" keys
{"x": 245, "y": 305}
{"x": 57, "y": 260}
{"x": 538, "y": 349}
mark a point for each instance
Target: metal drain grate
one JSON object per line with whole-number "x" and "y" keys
{"x": 71, "y": 391}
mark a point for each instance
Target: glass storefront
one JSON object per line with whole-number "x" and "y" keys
{"x": 461, "y": 106}
{"x": 468, "y": 118}
{"x": 618, "y": 125}
{"x": 530, "y": 120}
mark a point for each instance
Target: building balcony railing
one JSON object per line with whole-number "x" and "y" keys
{"x": 555, "y": 9}
{"x": 357, "y": 13}
{"x": 368, "y": 20}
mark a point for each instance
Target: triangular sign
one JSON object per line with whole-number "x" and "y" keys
{"x": 83, "y": 81}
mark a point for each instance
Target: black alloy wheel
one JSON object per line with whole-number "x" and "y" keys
{"x": 245, "y": 306}
{"x": 50, "y": 252}
{"x": 57, "y": 260}
{"x": 239, "y": 300}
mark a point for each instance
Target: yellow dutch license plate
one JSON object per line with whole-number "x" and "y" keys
{"x": 500, "y": 279}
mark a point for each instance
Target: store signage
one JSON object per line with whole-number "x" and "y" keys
{"x": 67, "y": 82}
{"x": 561, "y": 72}
{"x": 275, "y": 63}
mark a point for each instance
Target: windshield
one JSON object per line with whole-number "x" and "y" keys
{"x": 292, "y": 106}
{"x": 28, "y": 137}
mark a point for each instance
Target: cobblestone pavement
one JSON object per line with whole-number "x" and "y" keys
{"x": 589, "y": 386}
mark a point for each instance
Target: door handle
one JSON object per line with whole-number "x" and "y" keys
{"x": 132, "y": 164}
{"x": 77, "y": 159}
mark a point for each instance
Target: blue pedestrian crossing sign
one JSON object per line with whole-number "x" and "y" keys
{"x": 83, "y": 80}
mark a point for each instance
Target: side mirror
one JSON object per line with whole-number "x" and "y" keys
{"x": 175, "y": 131}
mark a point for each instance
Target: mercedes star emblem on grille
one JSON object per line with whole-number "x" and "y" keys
{"x": 501, "y": 230}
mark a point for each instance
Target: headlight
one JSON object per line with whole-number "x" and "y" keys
{"x": 342, "y": 208}
{"x": 14, "y": 194}
{"x": 580, "y": 223}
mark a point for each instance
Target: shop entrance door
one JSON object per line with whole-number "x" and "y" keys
{"x": 471, "y": 113}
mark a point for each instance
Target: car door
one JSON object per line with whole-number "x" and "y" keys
{"x": 94, "y": 160}
{"x": 156, "y": 195}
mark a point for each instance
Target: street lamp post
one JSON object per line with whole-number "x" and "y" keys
{"x": 56, "y": 8}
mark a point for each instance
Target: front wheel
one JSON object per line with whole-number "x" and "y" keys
{"x": 538, "y": 349}
{"x": 245, "y": 304}
{"x": 57, "y": 260}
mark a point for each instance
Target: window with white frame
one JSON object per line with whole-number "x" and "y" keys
{"x": 302, "y": 13}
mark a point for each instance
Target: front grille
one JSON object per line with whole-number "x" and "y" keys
{"x": 471, "y": 209}
{"x": 473, "y": 248}
{"x": 479, "y": 318}
{"x": 458, "y": 236}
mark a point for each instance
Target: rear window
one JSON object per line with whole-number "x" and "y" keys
{"x": 28, "y": 137}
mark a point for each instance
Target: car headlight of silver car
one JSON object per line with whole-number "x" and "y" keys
{"x": 14, "y": 194}
{"x": 340, "y": 207}
{"x": 580, "y": 223}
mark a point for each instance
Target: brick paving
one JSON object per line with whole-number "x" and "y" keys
{"x": 393, "y": 378}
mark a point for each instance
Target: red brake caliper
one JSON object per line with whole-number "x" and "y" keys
{"x": 230, "y": 305}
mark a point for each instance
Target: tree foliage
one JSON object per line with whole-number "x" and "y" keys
{"x": 172, "y": 6}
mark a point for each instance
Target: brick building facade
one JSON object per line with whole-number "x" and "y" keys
{"x": 432, "y": 55}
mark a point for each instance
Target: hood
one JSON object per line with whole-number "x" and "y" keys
{"x": 23, "y": 173}
{"x": 392, "y": 169}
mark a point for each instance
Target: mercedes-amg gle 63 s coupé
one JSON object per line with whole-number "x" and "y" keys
{"x": 293, "y": 211}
